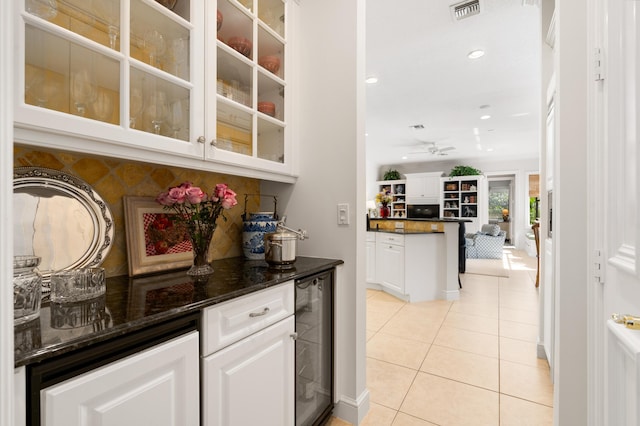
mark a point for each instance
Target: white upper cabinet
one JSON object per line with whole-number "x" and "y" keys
{"x": 157, "y": 81}
{"x": 248, "y": 108}
{"x": 423, "y": 188}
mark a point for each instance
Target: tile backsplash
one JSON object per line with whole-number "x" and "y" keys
{"x": 113, "y": 179}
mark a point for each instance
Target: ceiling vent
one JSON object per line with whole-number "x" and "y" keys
{"x": 465, "y": 9}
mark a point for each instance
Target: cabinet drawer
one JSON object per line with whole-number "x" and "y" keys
{"x": 387, "y": 238}
{"x": 231, "y": 321}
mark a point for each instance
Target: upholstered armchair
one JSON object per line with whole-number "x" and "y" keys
{"x": 485, "y": 244}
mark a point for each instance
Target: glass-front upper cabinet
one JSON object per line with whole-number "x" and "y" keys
{"x": 248, "y": 112}
{"x": 111, "y": 75}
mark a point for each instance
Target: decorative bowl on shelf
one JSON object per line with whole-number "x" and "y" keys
{"x": 270, "y": 63}
{"x": 219, "y": 19}
{"x": 268, "y": 108}
{"x": 169, "y": 4}
{"x": 241, "y": 45}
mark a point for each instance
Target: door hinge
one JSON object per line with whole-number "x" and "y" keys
{"x": 598, "y": 271}
{"x": 598, "y": 65}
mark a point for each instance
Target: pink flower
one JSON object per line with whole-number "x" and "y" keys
{"x": 195, "y": 195}
{"x": 163, "y": 198}
{"x": 178, "y": 194}
{"x": 228, "y": 199}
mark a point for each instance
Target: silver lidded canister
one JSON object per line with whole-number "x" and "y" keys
{"x": 280, "y": 246}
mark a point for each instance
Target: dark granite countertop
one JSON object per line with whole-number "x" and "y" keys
{"x": 442, "y": 219}
{"x": 134, "y": 303}
{"x": 405, "y": 232}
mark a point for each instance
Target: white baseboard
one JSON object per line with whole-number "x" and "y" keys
{"x": 542, "y": 354}
{"x": 351, "y": 410}
{"x": 451, "y": 294}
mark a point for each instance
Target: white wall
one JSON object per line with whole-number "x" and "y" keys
{"x": 6, "y": 218}
{"x": 570, "y": 214}
{"x": 329, "y": 112}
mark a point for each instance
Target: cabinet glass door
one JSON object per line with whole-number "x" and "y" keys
{"x": 122, "y": 62}
{"x": 250, "y": 89}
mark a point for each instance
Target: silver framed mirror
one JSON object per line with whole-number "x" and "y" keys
{"x": 60, "y": 218}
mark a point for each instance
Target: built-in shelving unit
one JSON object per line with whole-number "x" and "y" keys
{"x": 464, "y": 197}
{"x": 395, "y": 188}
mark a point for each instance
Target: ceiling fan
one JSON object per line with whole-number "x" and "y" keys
{"x": 430, "y": 147}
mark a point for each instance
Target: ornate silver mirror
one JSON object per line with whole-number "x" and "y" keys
{"x": 60, "y": 218}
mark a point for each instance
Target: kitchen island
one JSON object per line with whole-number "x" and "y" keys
{"x": 142, "y": 342}
{"x": 415, "y": 259}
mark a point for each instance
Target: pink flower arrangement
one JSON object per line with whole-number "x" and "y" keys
{"x": 198, "y": 210}
{"x": 195, "y": 205}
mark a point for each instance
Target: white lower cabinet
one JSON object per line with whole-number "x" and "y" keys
{"x": 248, "y": 364}
{"x": 371, "y": 257}
{"x": 390, "y": 261}
{"x": 410, "y": 266}
{"x": 252, "y": 381}
{"x": 158, "y": 386}
{"x": 19, "y": 395}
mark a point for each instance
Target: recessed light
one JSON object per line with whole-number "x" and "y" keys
{"x": 371, "y": 80}
{"x": 405, "y": 157}
{"x": 485, "y": 117}
{"x": 489, "y": 149}
{"x": 475, "y": 54}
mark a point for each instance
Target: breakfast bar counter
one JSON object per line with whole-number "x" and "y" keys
{"x": 415, "y": 259}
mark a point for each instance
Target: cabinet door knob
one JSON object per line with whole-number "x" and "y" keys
{"x": 201, "y": 139}
{"x": 294, "y": 336}
{"x": 213, "y": 142}
{"x": 259, "y": 314}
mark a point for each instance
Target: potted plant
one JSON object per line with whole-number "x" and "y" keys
{"x": 464, "y": 171}
{"x": 391, "y": 174}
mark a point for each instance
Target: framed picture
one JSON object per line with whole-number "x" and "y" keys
{"x": 154, "y": 294}
{"x": 156, "y": 241}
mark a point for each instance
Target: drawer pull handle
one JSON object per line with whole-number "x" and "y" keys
{"x": 294, "y": 336}
{"x": 259, "y": 314}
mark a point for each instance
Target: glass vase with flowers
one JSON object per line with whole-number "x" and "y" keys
{"x": 384, "y": 198}
{"x": 199, "y": 211}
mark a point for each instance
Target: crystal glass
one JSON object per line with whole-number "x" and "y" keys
{"x": 155, "y": 45}
{"x": 109, "y": 12}
{"x": 174, "y": 117}
{"x": 45, "y": 9}
{"x": 83, "y": 89}
{"x": 136, "y": 103}
{"x": 103, "y": 105}
{"x": 39, "y": 87}
{"x": 77, "y": 284}
{"x": 27, "y": 287}
{"x": 179, "y": 54}
{"x": 156, "y": 110}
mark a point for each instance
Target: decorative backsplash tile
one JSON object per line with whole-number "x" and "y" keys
{"x": 113, "y": 179}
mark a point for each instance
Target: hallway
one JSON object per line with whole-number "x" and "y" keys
{"x": 469, "y": 362}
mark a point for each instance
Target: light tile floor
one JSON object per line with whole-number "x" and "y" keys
{"x": 468, "y": 362}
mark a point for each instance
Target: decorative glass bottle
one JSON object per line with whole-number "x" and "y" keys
{"x": 27, "y": 284}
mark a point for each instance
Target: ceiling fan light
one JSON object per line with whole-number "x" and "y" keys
{"x": 475, "y": 54}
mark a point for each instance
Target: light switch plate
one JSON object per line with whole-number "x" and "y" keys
{"x": 343, "y": 214}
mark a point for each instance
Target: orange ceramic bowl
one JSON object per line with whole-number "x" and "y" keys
{"x": 268, "y": 108}
{"x": 241, "y": 44}
{"x": 270, "y": 63}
